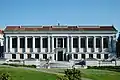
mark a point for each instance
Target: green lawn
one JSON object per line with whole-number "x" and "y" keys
{"x": 93, "y": 74}
{"x": 24, "y": 74}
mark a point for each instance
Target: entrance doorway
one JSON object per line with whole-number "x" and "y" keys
{"x": 60, "y": 55}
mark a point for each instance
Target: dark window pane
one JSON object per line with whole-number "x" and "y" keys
{"x": 14, "y": 42}
{"x": 21, "y": 56}
{"x": 75, "y": 56}
{"x": 83, "y": 43}
{"x": 98, "y": 56}
{"x": 75, "y": 42}
{"x": 105, "y": 43}
{"x": 83, "y": 56}
{"x": 22, "y": 42}
{"x": 106, "y": 56}
{"x": 45, "y": 42}
{"x": 37, "y": 56}
{"x": 90, "y": 42}
{"x": 98, "y": 42}
{"x": 13, "y": 56}
{"x": 90, "y": 55}
{"x": 29, "y": 56}
{"x": 29, "y": 42}
{"x": 44, "y": 56}
{"x": 37, "y": 42}
{"x": 54, "y": 42}
{"x": 65, "y": 42}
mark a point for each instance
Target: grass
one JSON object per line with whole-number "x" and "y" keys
{"x": 24, "y": 74}
{"x": 93, "y": 74}
{"x": 27, "y": 74}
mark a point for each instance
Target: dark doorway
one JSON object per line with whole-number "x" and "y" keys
{"x": 60, "y": 55}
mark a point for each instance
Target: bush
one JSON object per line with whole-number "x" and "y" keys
{"x": 71, "y": 74}
{"x": 5, "y": 76}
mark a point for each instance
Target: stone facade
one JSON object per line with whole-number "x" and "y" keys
{"x": 60, "y": 43}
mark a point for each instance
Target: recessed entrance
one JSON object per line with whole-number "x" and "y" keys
{"x": 60, "y": 55}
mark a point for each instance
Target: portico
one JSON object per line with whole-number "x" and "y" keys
{"x": 61, "y": 46}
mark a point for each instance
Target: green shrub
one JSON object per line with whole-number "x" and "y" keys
{"x": 5, "y": 76}
{"x": 71, "y": 74}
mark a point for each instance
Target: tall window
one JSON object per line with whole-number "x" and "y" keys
{"x": 90, "y": 55}
{"x": 83, "y": 56}
{"x": 83, "y": 42}
{"x": 21, "y": 56}
{"x": 105, "y": 42}
{"x": 98, "y": 56}
{"x": 37, "y": 56}
{"x": 14, "y": 42}
{"x": 98, "y": 42}
{"x": 60, "y": 42}
{"x": 106, "y": 56}
{"x": 13, "y": 56}
{"x": 29, "y": 56}
{"x": 45, "y": 42}
{"x": 29, "y": 42}
{"x": 54, "y": 42}
{"x": 44, "y": 56}
{"x": 37, "y": 42}
{"x": 75, "y": 42}
{"x": 22, "y": 42}
{"x": 90, "y": 42}
{"x": 75, "y": 56}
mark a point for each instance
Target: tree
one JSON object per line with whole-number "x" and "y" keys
{"x": 71, "y": 74}
{"x": 5, "y": 76}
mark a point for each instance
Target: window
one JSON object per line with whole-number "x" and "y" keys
{"x": 44, "y": 56}
{"x": 106, "y": 56}
{"x": 75, "y": 56}
{"x": 37, "y": 42}
{"x": 97, "y": 42}
{"x": 14, "y": 42}
{"x": 98, "y": 56}
{"x": 60, "y": 42}
{"x": 90, "y": 55}
{"x": 29, "y": 56}
{"x": 83, "y": 56}
{"x": 45, "y": 42}
{"x": 22, "y": 42}
{"x": 83, "y": 42}
{"x": 90, "y": 42}
{"x": 54, "y": 42}
{"x": 21, "y": 56}
{"x": 75, "y": 42}
{"x": 13, "y": 56}
{"x": 37, "y": 56}
{"x": 105, "y": 42}
{"x": 29, "y": 42}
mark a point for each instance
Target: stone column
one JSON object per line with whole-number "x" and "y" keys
{"x": 94, "y": 43}
{"x": 109, "y": 44}
{"x": 87, "y": 43}
{"x": 79, "y": 42}
{"x": 10, "y": 43}
{"x": 52, "y": 44}
{"x": 26, "y": 44}
{"x": 102, "y": 44}
{"x": 63, "y": 43}
{"x": 33, "y": 44}
{"x": 41, "y": 43}
{"x": 68, "y": 44}
{"x": 71, "y": 44}
{"x": 18, "y": 44}
{"x": 56, "y": 42}
{"x": 6, "y": 43}
{"x": 48, "y": 43}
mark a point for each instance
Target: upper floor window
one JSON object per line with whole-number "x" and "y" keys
{"x": 75, "y": 42}
{"x": 45, "y": 42}
{"x": 105, "y": 42}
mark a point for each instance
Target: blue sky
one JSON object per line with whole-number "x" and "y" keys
{"x": 66, "y": 12}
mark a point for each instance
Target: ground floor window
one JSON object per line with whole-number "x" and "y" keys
{"x": 44, "y": 56}
{"x": 36, "y": 56}
{"x": 106, "y": 56}
{"x": 21, "y": 56}
{"x": 90, "y": 55}
{"x": 75, "y": 56}
{"x": 29, "y": 56}
{"x": 83, "y": 56}
{"x": 13, "y": 56}
{"x": 98, "y": 56}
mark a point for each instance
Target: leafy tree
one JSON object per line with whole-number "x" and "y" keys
{"x": 5, "y": 76}
{"x": 71, "y": 74}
